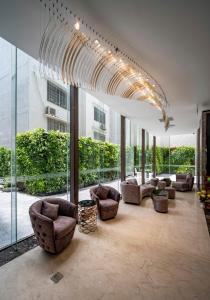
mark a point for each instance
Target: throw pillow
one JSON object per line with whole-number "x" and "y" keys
{"x": 102, "y": 192}
{"x": 50, "y": 210}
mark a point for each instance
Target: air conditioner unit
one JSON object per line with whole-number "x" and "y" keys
{"x": 50, "y": 111}
{"x": 102, "y": 126}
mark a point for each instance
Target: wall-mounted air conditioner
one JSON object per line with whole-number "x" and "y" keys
{"x": 50, "y": 111}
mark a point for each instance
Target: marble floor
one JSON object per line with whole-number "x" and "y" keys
{"x": 141, "y": 254}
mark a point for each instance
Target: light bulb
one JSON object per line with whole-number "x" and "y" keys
{"x": 77, "y": 25}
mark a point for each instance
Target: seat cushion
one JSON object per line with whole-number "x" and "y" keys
{"x": 108, "y": 203}
{"x": 147, "y": 190}
{"x": 102, "y": 192}
{"x": 50, "y": 210}
{"x": 63, "y": 225}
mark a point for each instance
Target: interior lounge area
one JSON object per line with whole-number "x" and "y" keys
{"x": 104, "y": 150}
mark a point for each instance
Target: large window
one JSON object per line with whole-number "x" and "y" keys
{"x": 34, "y": 149}
{"x": 99, "y": 136}
{"x": 53, "y": 124}
{"x": 56, "y": 95}
{"x": 130, "y": 133}
{"x": 175, "y": 154}
{"x": 99, "y": 160}
{"x": 99, "y": 116}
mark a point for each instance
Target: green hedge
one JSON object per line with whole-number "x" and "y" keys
{"x": 41, "y": 158}
{"x": 43, "y": 161}
{"x": 98, "y": 161}
{"x": 5, "y": 158}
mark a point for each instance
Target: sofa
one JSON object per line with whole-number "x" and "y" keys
{"x": 183, "y": 183}
{"x": 130, "y": 191}
{"x": 53, "y": 230}
{"x": 134, "y": 193}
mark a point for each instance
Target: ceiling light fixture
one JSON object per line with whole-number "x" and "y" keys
{"x": 81, "y": 56}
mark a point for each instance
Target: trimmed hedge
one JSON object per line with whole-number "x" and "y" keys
{"x": 5, "y": 161}
{"x": 43, "y": 161}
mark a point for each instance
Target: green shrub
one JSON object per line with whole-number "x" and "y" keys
{"x": 5, "y": 161}
{"x": 43, "y": 161}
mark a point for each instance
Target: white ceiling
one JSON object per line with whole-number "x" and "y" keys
{"x": 171, "y": 39}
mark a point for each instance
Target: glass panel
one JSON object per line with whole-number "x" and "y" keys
{"x": 42, "y": 139}
{"x": 129, "y": 148}
{"x": 138, "y": 153}
{"x": 99, "y": 144}
{"x": 7, "y": 70}
{"x": 175, "y": 154}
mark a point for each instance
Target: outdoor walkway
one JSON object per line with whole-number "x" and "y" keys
{"x": 141, "y": 254}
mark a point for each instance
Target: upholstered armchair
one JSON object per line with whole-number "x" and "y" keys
{"x": 107, "y": 199}
{"x": 53, "y": 233}
{"x": 130, "y": 192}
{"x": 183, "y": 183}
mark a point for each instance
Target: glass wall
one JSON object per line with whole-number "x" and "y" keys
{"x": 7, "y": 61}
{"x": 175, "y": 154}
{"x": 138, "y": 152}
{"x": 34, "y": 140}
{"x": 129, "y": 133}
{"x": 148, "y": 155}
{"x": 99, "y": 144}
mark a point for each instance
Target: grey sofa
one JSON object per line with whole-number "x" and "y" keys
{"x": 183, "y": 183}
{"x": 53, "y": 235}
{"x": 130, "y": 192}
{"x": 134, "y": 193}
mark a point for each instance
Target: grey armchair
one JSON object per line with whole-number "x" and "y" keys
{"x": 53, "y": 235}
{"x": 183, "y": 183}
{"x": 108, "y": 206}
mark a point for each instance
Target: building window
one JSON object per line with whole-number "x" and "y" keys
{"x": 56, "y": 125}
{"x": 99, "y": 116}
{"x": 56, "y": 95}
{"x": 99, "y": 136}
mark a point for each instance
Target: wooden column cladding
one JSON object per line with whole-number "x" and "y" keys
{"x": 74, "y": 157}
{"x": 154, "y": 157}
{"x": 143, "y": 158}
{"x": 198, "y": 161}
{"x": 122, "y": 150}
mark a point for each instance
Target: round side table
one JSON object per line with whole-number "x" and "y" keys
{"x": 87, "y": 216}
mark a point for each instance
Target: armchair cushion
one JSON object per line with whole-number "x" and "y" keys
{"x": 50, "y": 210}
{"x": 102, "y": 192}
{"x": 63, "y": 225}
{"x": 108, "y": 203}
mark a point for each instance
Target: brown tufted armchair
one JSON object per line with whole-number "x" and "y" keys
{"x": 130, "y": 192}
{"x": 107, "y": 208}
{"x": 183, "y": 183}
{"x": 53, "y": 235}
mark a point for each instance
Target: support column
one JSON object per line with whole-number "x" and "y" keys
{"x": 154, "y": 157}
{"x": 122, "y": 150}
{"x": 198, "y": 151}
{"x": 74, "y": 162}
{"x": 143, "y": 157}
